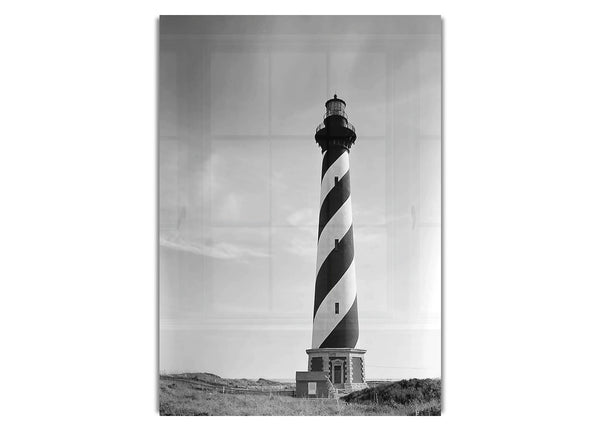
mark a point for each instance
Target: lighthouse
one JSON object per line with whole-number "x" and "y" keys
{"x": 334, "y": 362}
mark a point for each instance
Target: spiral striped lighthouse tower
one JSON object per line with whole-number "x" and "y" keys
{"x": 335, "y": 315}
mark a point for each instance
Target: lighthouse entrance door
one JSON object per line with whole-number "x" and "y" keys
{"x": 337, "y": 374}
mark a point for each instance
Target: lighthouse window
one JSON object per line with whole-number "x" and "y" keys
{"x": 337, "y": 242}
{"x": 337, "y": 308}
{"x": 335, "y": 181}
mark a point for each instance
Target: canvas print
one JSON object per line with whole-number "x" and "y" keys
{"x": 300, "y": 192}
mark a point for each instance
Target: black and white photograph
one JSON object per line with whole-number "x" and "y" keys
{"x": 287, "y": 216}
{"x": 300, "y": 215}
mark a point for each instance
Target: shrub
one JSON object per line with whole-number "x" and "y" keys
{"x": 403, "y": 392}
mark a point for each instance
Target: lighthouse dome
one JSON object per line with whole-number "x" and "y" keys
{"x": 335, "y": 106}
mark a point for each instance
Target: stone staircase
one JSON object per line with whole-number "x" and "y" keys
{"x": 332, "y": 389}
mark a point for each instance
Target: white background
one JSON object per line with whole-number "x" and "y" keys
{"x": 78, "y": 219}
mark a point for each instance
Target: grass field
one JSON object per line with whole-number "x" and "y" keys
{"x": 188, "y": 398}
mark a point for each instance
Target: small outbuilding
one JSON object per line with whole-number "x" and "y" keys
{"x": 312, "y": 384}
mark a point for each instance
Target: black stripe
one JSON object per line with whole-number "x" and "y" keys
{"x": 334, "y": 266}
{"x": 331, "y": 156}
{"x": 334, "y": 201}
{"x": 345, "y": 334}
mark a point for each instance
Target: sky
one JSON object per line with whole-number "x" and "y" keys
{"x": 239, "y": 175}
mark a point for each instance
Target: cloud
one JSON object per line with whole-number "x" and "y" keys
{"x": 217, "y": 250}
{"x": 303, "y": 217}
{"x": 303, "y": 242}
{"x": 366, "y": 235}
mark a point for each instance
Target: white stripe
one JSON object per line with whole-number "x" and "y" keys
{"x": 336, "y": 228}
{"x": 344, "y": 293}
{"x": 337, "y": 169}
